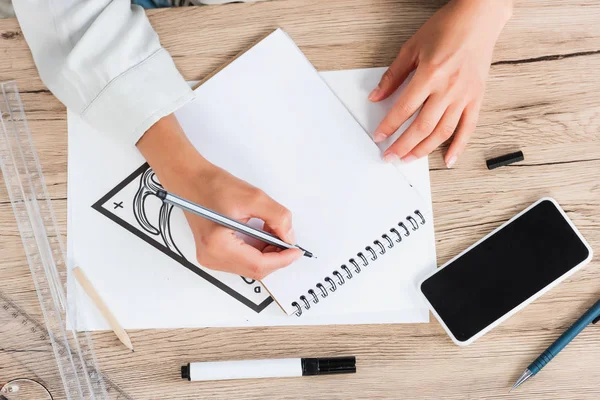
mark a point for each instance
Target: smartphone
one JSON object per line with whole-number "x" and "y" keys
{"x": 506, "y": 270}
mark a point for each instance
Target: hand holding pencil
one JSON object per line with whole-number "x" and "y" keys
{"x": 194, "y": 178}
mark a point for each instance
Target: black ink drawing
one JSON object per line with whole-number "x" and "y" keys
{"x": 149, "y": 186}
{"x": 159, "y": 235}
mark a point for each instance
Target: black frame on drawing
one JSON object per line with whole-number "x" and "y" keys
{"x": 164, "y": 249}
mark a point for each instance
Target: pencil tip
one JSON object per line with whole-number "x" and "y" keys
{"x": 132, "y": 350}
{"x": 526, "y": 375}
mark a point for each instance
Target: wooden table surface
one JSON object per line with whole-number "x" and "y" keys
{"x": 542, "y": 97}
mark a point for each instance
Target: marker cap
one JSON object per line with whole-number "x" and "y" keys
{"x": 330, "y": 365}
{"x": 185, "y": 372}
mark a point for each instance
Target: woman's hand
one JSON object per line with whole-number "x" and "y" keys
{"x": 183, "y": 171}
{"x": 452, "y": 53}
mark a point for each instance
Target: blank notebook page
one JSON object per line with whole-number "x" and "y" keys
{"x": 269, "y": 119}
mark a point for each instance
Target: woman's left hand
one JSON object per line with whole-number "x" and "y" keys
{"x": 451, "y": 53}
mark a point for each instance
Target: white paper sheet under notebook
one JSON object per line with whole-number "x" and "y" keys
{"x": 166, "y": 294}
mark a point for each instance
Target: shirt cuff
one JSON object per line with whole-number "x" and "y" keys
{"x": 132, "y": 102}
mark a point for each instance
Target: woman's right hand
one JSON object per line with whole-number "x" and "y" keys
{"x": 183, "y": 171}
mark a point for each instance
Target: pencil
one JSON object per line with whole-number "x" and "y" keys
{"x": 101, "y": 305}
{"x": 222, "y": 220}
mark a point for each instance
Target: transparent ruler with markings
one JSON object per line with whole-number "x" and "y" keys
{"x": 58, "y": 356}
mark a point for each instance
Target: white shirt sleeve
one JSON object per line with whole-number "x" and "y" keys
{"x": 104, "y": 61}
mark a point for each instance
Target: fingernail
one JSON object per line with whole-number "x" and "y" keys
{"x": 391, "y": 157}
{"x": 374, "y": 94}
{"x": 451, "y": 162}
{"x": 379, "y": 137}
{"x": 408, "y": 159}
{"x": 292, "y": 236}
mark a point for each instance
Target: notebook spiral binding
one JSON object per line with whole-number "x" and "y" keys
{"x": 342, "y": 275}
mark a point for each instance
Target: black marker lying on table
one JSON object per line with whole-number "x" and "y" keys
{"x": 276, "y": 368}
{"x": 227, "y": 222}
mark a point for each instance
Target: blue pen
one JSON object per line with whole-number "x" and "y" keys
{"x": 591, "y": 316}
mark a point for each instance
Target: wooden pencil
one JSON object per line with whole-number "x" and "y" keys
{"x": 97, "y": 300}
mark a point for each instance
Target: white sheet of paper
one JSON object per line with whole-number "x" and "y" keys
{"x": 166, "y": 295}
{"x": 352, "y": 87}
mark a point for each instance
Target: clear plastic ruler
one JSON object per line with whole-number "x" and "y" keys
{"x": 61, "y": 358}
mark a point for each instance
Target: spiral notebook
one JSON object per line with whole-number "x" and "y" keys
{"x": 282, "y": 129}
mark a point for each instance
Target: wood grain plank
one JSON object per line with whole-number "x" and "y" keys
{"x": 541, "y": 98}
{"x": 330, "y": 33}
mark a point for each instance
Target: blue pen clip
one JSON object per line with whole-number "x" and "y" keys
{"x": 596, "y": 320}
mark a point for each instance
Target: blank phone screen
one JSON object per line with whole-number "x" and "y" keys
{"x": 504, "y": 270}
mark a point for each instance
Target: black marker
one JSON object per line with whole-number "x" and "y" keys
{"x": 276, "y": 368}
